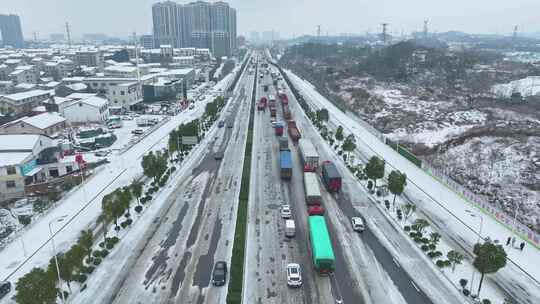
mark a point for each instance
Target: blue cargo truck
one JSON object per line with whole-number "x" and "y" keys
{"x": 285, "y": 164}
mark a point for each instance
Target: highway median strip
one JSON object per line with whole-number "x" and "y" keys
{"x": 234, "y": 293}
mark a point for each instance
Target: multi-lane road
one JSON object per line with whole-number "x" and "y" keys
{"x": 366, "y": 271}
{"x": 172, "y": 260}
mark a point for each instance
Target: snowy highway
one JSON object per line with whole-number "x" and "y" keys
{"x": 364, "y": 263}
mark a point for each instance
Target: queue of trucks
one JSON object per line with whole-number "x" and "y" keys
{"x": 319, "y": 237}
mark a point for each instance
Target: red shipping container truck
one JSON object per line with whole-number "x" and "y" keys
{"x": 284, "y": 98}
{"x": 294, "y": 133}
{"x": 279, "y": 128}
{"x": 262, "y": 104}
{"x": 331, "y": 176}
{"x": 286, "y": 113}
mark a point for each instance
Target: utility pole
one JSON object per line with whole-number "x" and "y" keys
{"x": 68, "y": 34}
{"x": 384, "y": 28}
{"x": 425, "y": 29}
{"x": 135, "y": 42}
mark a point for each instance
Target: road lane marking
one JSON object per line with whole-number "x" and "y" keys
{"x": 415, "y": 287}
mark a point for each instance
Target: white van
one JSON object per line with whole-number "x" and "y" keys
{"x": 290, "y": 228}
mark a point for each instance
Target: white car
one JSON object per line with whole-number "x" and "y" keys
{"x": 357, "y": 224}
{"x": 294, "y": 275}
{"x": 286, "y": 211}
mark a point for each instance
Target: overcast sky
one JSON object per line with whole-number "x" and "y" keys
{"x": 289, "y": 17}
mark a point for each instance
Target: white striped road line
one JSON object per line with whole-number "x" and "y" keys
{"x": 415, "y": 287}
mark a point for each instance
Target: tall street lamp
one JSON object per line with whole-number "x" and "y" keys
{"x": 57, "y": 220}
{"x": 472, "y": 214}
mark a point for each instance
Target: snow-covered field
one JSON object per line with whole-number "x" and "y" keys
{"x": 82, "y": 207}
{"x": 445, "y": 207}
{"x": 527, "y": 87}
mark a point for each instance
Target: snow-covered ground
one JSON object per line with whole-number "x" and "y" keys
{"x": 527, "y": 87}
{"x": 444, "y": 206}
{"x": 408, "y": 115}
{"x": 82, "y": 207}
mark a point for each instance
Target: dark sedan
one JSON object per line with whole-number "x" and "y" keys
{"x": 219, "y": 275}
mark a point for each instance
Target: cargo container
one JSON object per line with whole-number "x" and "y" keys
{"x": 285, "y": 164}
{"x": 311, "y": 189}
{"x": 308, "y": 155}
{"x": 283, "y": 143}
{"x": 272, "y": 112}
{"x": 284, "y": 99}
{"x": 286, "y": 112}
{"x": 262, "y": 104}
{"x": 293, "y": 130}
{"x": 331, "y": 176}
{"x": 278, "y": 127}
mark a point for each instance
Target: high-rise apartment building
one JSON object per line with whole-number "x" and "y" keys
{"x": 197, "y": 24}
{"x": 11, "y": 30}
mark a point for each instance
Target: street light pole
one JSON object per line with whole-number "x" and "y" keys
{"x": 55, "y": 257}
{"x": 477, "y": 241}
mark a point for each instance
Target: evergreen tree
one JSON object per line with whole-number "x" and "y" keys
{"x": 36, "y": 285}
{"x": 489, "y": 259}
{"x": 375, "y": 168}
{"x": 396, "y": 183}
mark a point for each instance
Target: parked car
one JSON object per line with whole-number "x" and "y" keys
{"x": 101, "y": 153}
{"x": 286, "y": 211}
{"x": 218, "y": 155}
{"x": 230, "y": 124}
{"x": 192, "y": 106}
{"x": 358, "y": 224}
{"x": 137, "y": 131}
{"x": 219, "y": 275}
{"x": 221, "y": 124}
{"x": 294, "y": 275}
{"x": 315, "y": 210}
{"x": 5, "y": 288}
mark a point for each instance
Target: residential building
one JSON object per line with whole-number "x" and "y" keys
{"x": 18, "y": 163}
{"x": 164, "y": 89}
{"x": 57, "y": 104}
{"x": 21, "y": 103}
{"x": 26, "y": 159}
{"x": 4, "y": 72}
{"x": 125, "y": 95}
{"x": 121, "y": 71}
{"x": 197, "y": 24}
{"x": 50, "y": 124}
{"x": 87, "y": 110}
{"x": 147, "y": 41}
{"x": 11, "y": 31}
{"x": 183, "y": 61}
{"x": 89, "y": 58}
{"x": 25, "y": 74}
{"x": 6, "y": 87}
